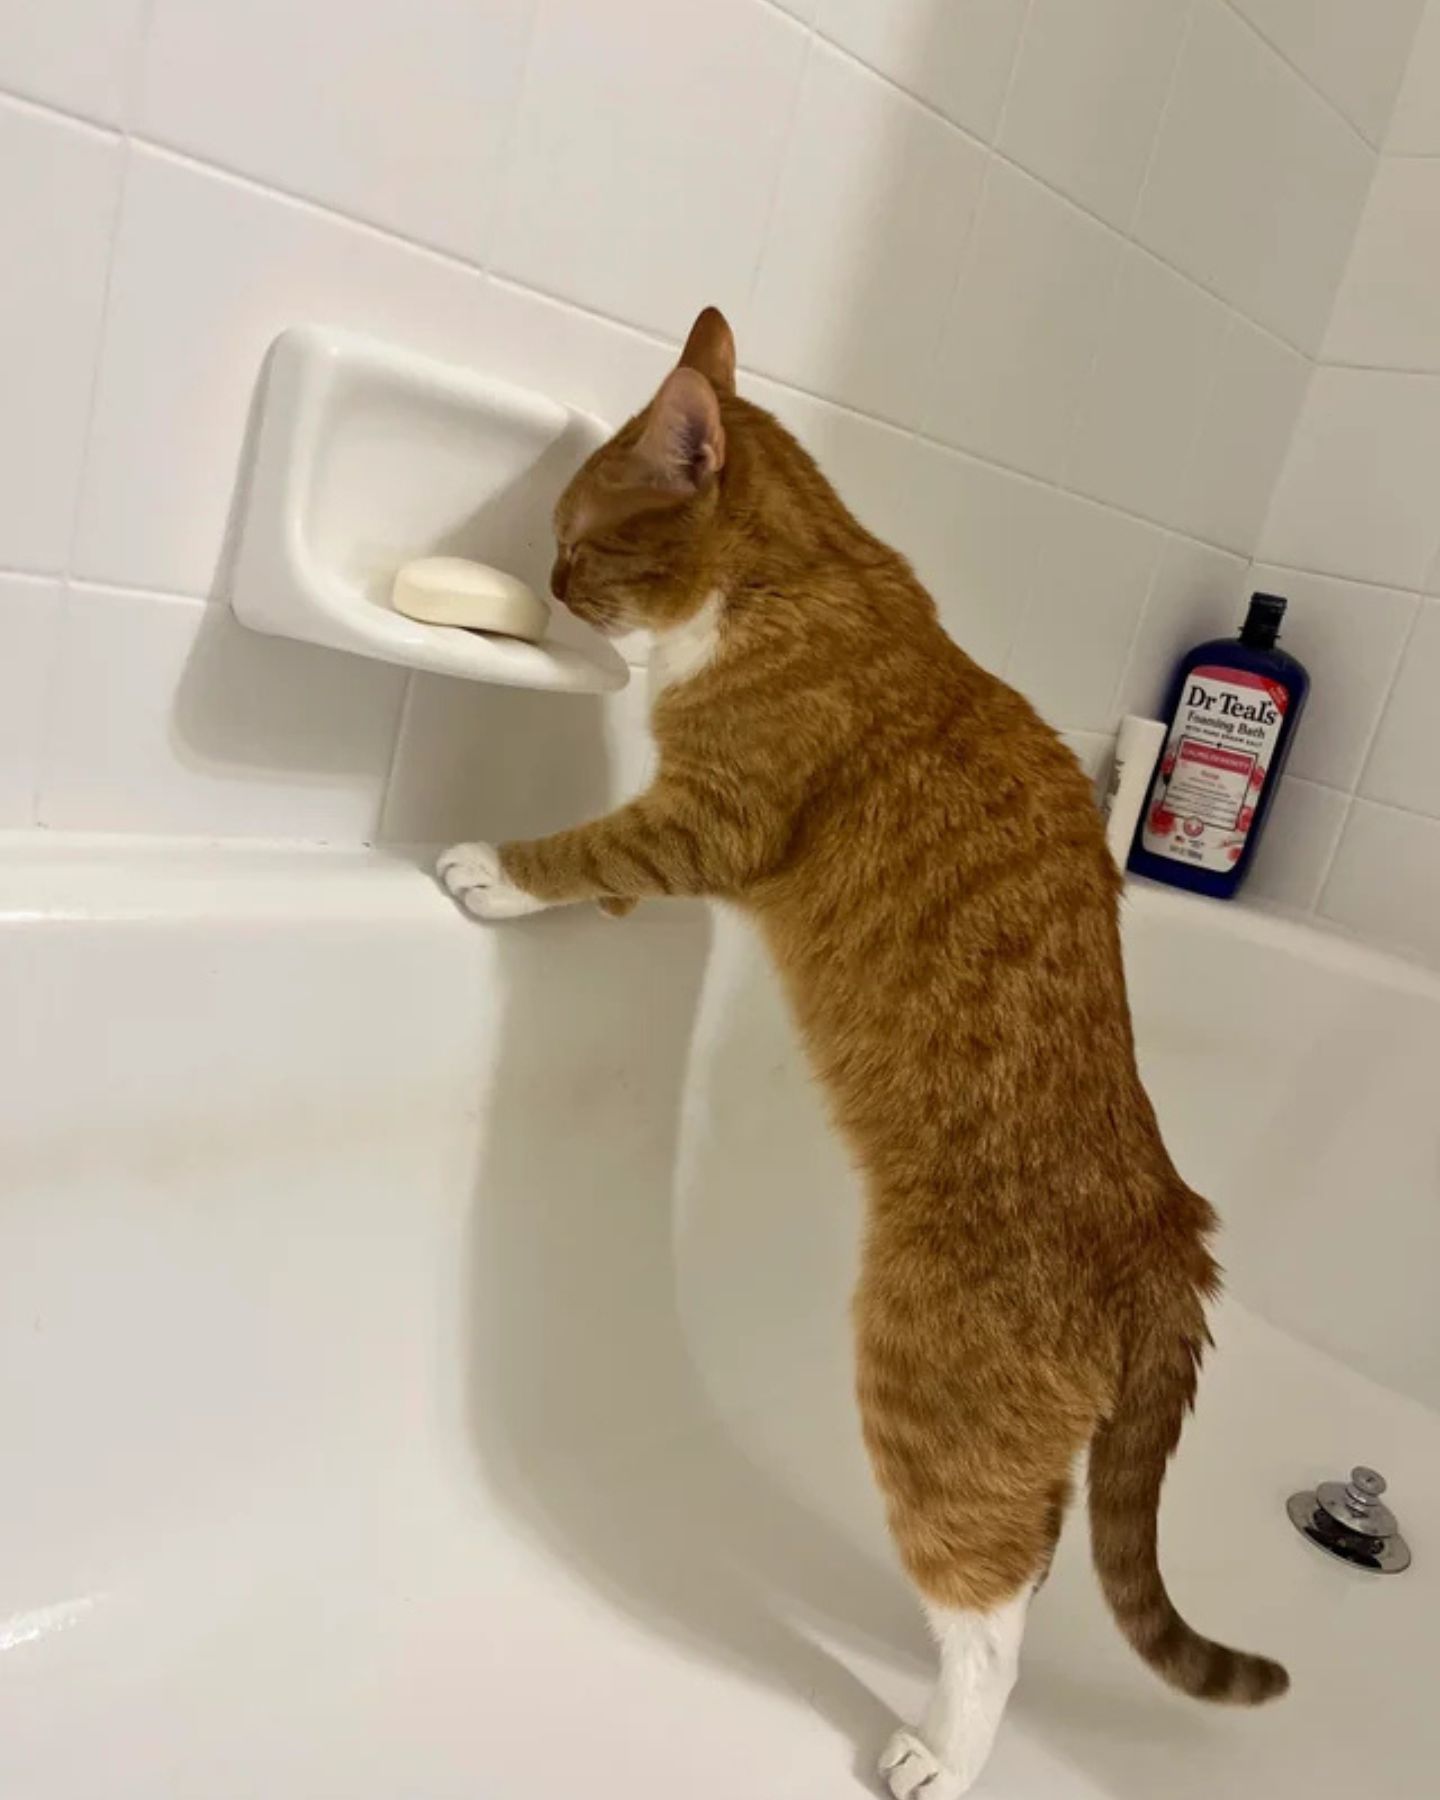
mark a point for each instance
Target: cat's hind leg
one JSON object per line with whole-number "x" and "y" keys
{"x": 979, "y": 1661}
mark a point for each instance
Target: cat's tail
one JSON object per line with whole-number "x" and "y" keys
{"x": 1128, "y": 1458}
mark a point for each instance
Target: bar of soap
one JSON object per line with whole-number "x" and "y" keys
{"x": 451, "y": 590}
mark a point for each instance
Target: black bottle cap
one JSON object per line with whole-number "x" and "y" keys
{"x": 1262, "y": 622}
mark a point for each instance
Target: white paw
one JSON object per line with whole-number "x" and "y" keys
{"x": 908, "y": 1768}
{"x": 473, "y": 875}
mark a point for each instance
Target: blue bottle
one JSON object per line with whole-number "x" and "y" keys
{"x": 1232, "y": 711}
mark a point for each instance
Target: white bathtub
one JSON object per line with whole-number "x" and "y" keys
{"x": 424, "y": 1367}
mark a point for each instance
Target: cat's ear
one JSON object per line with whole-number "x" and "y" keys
{"x": 710, "y": 350}
{"x": 683, "y": 443}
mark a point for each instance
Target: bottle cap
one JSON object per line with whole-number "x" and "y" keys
{"x": 1262, "y": 622}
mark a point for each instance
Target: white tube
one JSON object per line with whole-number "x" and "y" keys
{"x": 1137, "y": 750}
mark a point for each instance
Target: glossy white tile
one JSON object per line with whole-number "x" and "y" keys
{"x": 79, "y": 55}
{"x": 1256, "y": 185}
{"x": 1024, "y": 326}
{"x": 1299, "y": 844}
{"x": 645, "y": 154}
{"x": 1349, "y": 637}
{"x": 1386, "y": 879}
{"x": 1404, "y": 765}
{"x": 29, "y": 622}
{"x": 956, "y": 56}
{"x": 1148, "y": 390}
{"x": 860, "y": 261}
{"x": 1415, "y": 121}
{"x": 1089, "y": 89}
{"x": 58, "y": 186}
{"x": 1360, "y": 492}
{"x": 1094, "y": 575}
{"x": 396, "y": 111}
{"x": 170, "y": 717}
{"x": 1249, "y": 420}
{"x": 1198, "y": 593}
{"x": 1354, "y": 51}
{"x": 1387, "y": 313}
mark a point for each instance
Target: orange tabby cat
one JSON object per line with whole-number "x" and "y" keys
{"x": 927, "y": 866}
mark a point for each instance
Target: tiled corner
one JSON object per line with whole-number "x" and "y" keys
{"x": 851, "y": 297}
{"x": 1024, "y": 326}
{"x": 1148, "y": 390}
{"x": 58, "y": 187}
{"x": 1198, "y": 593}
{"x": 1385, "y": 879}
{"x": 957, "y": 57}
{"x": 1387, "y": 313}
{"x": 79, "y": 56}
{"x": 1256, "y": 185}
{"x": 168, "y": 716}
{"x": 1091, "y": 584}
{"x": 1360, "y": 493}
{"x": 29, "y": 623}
{"x": 645, "y": 154}
{"x": 1415, "y": 121}
{"x": 1354, "y": 54}
{"x": 1249, "y": 421}
{"x": 1404, "y": 765}
{"x": 396, "y": 111}
{"x": 1298, "y": 846}
{"x": 1350, "y": 639}
{"x": 1089, "y": 89}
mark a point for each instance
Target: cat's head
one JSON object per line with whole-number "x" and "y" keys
{"x": 632, "y": 528}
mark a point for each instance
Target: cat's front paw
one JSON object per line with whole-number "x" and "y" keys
{"x": 473, "y": 874}
{"x": 911, "y": 1771}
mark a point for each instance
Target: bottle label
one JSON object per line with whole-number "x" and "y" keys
{"x": 1214, "y": 767}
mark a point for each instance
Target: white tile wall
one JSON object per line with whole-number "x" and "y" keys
{"x": 956, "y": 57}
{"x": 1299, "y": 845}
{"x": 79, "y": 56}
{"x": 1359, "y": 499}
{"x": 29, "y": 620}
{"x": 1094, "y": 576}
{"x": 1091, "y": 85}
{"x": 646, "y": 152}
{"x": 167, "y": 716}
{"x": 1024, "y": 327}
{"x": 1386, "y": 878}
{"x": 1355, "y": 55}
{"x": 1415, "y": 124}
{"x": 1148, "y": 391}
{"x": 1360, "y": 494}
{"x": 396, "y": 110}
{"x": 917, "y": 214}
{"x": 1257, "y": 183}
{"x": 1386, "y": 314}
{"x": 58, "y": 183}
{"x": 1404, "y": 765}
{"x": 850, "y": 300}
{"x": 1249, "y": 421}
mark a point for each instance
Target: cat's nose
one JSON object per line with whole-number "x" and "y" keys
{"x": 560, "y": 576}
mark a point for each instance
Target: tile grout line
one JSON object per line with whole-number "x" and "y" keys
{"x": 787, "y": 140}
{"x": 488, "y": 264}
{"x": 1372, "y": 735}
{"x": 1284, "y": 56}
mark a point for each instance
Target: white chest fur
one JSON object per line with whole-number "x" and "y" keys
{"x": 682, "y": 652}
